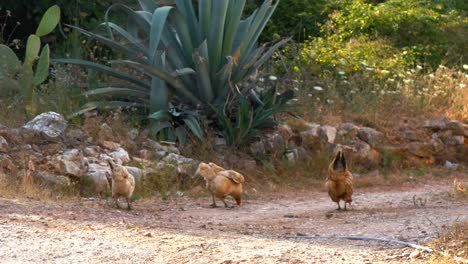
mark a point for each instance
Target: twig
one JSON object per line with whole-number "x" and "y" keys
{"x": 427, "y": 249}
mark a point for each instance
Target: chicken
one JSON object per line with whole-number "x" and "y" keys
{"x": 123, "y": 183}
{"x": 339, "y": 182}
{"x": 221, "y": 182}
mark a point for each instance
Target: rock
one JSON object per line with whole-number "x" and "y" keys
{"x": 51, "y": 179}
{"x": 51, "y": 149}
{"x": 91, "y": 151}
{"x": 456, "y": 127}
{"x": 75, "y": 136}
{"x": 160, "y": 146}
{"x": 450, "y": 165}
{"x": 436, "y": 123}
{"x": 421, "y": 149}
{"x": 328, "y": 133}
{"x": 178, "y": 159}
{"x": 285, "y": 131}
{"x": 310, "y": 138}
{"x": 415, "y": 254}
{"x": 454, "y": 140}
{"x": 299, "y": 125}
{"x": 144, "y": 154}
{"x": 370, "y": 136}
{"x": 120, "y": 155}
{"x": 110, "y": 145}
{"x": 296, "y": 154}
{"x": 3, "y": 144}
{"x": 219, "y": 141}
{"x": 274, "y": 144}
{"x": 105, "y": 133}
{"x": 346, "y": 133}
{"x": 249, "y": 164}
{"x": 97, "y": 174}
{"x": 71, "y": 162}
{"x": 364, "y": 155}
{"x": 50, "y": 123}
{"x": 137, "y": 173}
{"x": 257, "y": 148}
{"x": 7, "y": 166}
{"x": 133, "y": 133}
{"x": 437, "y": 145}
{"x": 413, "y": 135}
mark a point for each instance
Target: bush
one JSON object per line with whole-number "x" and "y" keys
{"x": 389, "y": 36}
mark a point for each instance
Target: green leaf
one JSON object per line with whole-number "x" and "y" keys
{"x": 33, "y": 45}
{"x": 161, "y": 115}
{"x": 9, "y": 63}
{"x": 194, "y": 126}
{"x": 49, "y": 21}
{"x": 42, "y": 69}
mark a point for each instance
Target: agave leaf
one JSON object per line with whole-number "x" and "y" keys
{"x": 158, "y": 23}
{"x": 115, "y": 91}
{"x": 204, "y": 17}
{"x": 161, "y": 115}
{"x": 174, "y": 83}
{"x": 216, "y": 34}
{"x": 203, "y": 77}
{"x": 140, "y": 84}
{"x": 181, "y": 72}
{"x": 186, "y": 9}
{"x": 137, "y": 56}
{"x": 181, "y": 134}
{"x": 225, "y": 123}
{"x": 194, "y": 126}
{"x": 136, "y": 43}
{"x": 148, "y": 5}
{"x": 232, "y": 23}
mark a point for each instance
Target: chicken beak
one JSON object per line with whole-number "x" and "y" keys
{"x": 239, "y": 202}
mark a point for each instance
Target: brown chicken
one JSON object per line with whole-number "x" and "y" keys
{"x": 221, "y": 182}
{"x": 339, "y": 181}
{"x": 122, "y": 182}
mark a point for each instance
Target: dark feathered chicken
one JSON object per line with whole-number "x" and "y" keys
{"x": 339, "y": 181}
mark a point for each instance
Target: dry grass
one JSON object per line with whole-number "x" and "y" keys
{"x": 452, "y": 244}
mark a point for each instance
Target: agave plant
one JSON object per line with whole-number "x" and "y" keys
{"x": 190, "y": 58}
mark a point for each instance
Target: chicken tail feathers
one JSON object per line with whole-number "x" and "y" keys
{"x": 339, "y": 163}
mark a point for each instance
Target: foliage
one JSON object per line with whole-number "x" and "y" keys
{"x": 390, "y": 36}
{"x": 188, "y": 61}
{"x": 250, "y": 118}
{"x": 297, "y": 19}
{"x": 16, "y": 77}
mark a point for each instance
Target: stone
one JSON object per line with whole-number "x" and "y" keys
{"x": 133, "y": 133}
{"x": 219, "y": 141}
{"x": 91, "y": 151}
{"x": 274, "y": 144}
{"x": 50, "y": 123}
{"x": 456, "y": 127}
{"x": 437, "y": 145}
{"x": 310, "y": 138}
{"x": 349, "y": 129}
{"x": 51, "y": 179}
{"x": 71, "y": 162}
{"x": 328, "y": 133}
{"x": 454, "y": 140}
{"x": 75, "y": 136}
{"x": 160, "y": 146}
{"x": 120, "y": 155}
{"x": 144, "y": 154}
{"x": 451, "y": 165}
{"x": 370, "y": 136}
{"x": 137, "y": 173}
{"x": 7, "y": 166}
{"x": 105, "y": 133}
{"x": 413, "y": 135}
{"x": 3, "y": 144}
{"x": 364, "y": 155}
{"x": 97, "y": 174}
{"x": 436, "y": 123}
{"x": 257, "y": 148}
{"x": 178, "y": 159}
{"x": 421, "y": 149}
{"x": 110, "y": 145}
{"x": 285, "y": 131}
{"x": 296, "y": 154}
{"x": 51, "y": 148}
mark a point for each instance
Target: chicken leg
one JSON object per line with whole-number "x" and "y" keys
{"x": 213, "y": 205}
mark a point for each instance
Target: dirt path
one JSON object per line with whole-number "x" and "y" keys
{"x": 185, "y": 230}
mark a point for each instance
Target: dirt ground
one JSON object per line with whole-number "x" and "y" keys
{"x": 186, "y": 230}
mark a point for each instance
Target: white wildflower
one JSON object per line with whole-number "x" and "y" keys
{"x": 431, "y": 76}
{"x": 329, "y": 101}
{"x": 465, "y": 66}
{"x": 295, "y": 99}
{"x": 419, "y": 67}
{"x": 384, "y": 72}
{"x": 272, "y": 78}
{"x": 296, "y": 89}
{"x": 369, "y": 69}
{"x": 462, "y": 85}
{"x": 261, "y": 79}
{"x": 341, "y": 72}
{"x": 310, "y": 95}
{"x": 278, "y": 93}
